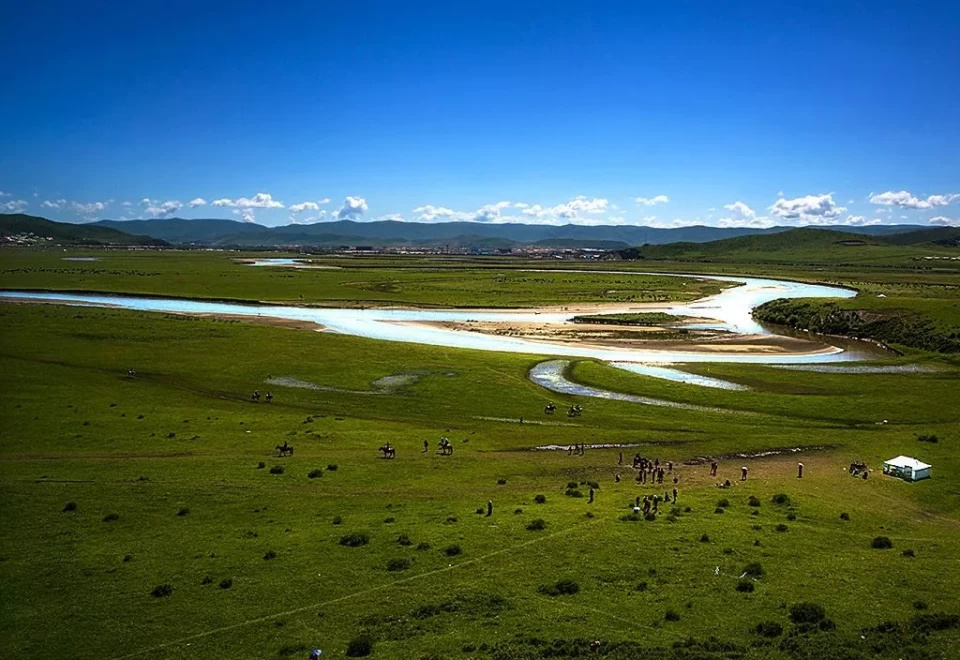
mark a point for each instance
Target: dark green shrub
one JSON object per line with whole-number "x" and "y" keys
{"x": 276, "y": 469}
{"x": 641, "y": 586}
{"x": 723, "y": 503}
{"x": 517, "y": 512}
{"x": 270, "y": 554}
{"x": 452, "y": 550}
{"x": 261, "y": 465}
{"x": 389, "y": 519}
{"x": 183, "y": 512}
{"x": 827, "y": 625}
{"x": 571, "y": 485}
{"x": 844, "y": 516}
{"x": 573, "y": 493}
{"x": 791, "y": 516}
{"x": 908, "y": 553}
{"x": 360, "y": 647}
{"x": 395, "y": 565}
{"x": 70, "y": 506}
{"x": 332, "y": 467}
{"x": 127, "y": 558}
{"x": 540, "y": 499}
{"x": 561, "y": 588}
{"x": 769, "y": 629}
{"x": 754, "y": 569}
{"x": 354, "y": 540}
{"x": 337, "y": 520}
{"x": 704, "y": 538}
{"x": 423, "y": 546}
{"x": 928, "y": 438}
{"x": 537, "y": 525}
{"x": 807, "y": 613}
{"x": 919, "y": 605}
{"x": 753, "y": 501}
{"x": 650, "y": 517}
{"x": 161, "y": 591}
{"x": 226, "y": 583}
{"x": 110, "y": 517}
{"x": 881, "y": 543}
{"x": 924, "y": 623}
{"x": 670, "y": 615}
{"x": 206, "y": 580}
{"x": 501, "y": 482}
{"x": 745, "y": 586}
{"x": 404, "y": 540}
{"x": 781, "y": 498}
{"x": 719, "y": 510}
{"x": 781, "y": 527}
{"x": 315, "y": 473}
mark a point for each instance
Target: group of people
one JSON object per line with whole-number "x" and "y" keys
{"x": 255, "y": 397}
{"x": 576, "y": 449}
{"x": 650, "y": 469}
{"x": 651, "y": 503}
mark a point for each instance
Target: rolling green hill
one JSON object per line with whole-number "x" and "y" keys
{"x": 27, "y": 229}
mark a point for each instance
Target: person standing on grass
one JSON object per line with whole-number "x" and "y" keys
{"x": 713, "y": 468}
{"x": 675, "y": 493}
{"x": 799, "y": 470}
{"x": 743, "y": 473}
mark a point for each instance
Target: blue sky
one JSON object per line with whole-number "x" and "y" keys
{"x": 664, "y": 114}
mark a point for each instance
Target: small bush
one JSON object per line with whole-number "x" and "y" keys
{"x": 753, "y": 501}
{"x": 881, "y": 543}
{"x": 110, "y": 517}
{"x": 573, "y": 493}
{"x": 451, "y": 520}
{"x": 404, "y": 540}
{"x": 769, "y": 629}
{"x": 276, "y": 469}
{"x": 791, "y": 516}
{"x": 337, "y": 520}
{"x": 827, "y": 625}
{"x": 395, "y": 565}
{"x": 423, "y": 546}
{"x": 745, "y": 586}
{"x": 670, "y": 615}
{"x": 354, "y": 540}
{"x": 641, "y": 586}
{"x": 781, "y": 498}
{"x": 261, "y": 465}
{"x": 389, "y": 519}
{"x": 561, "y": 588}
{"x": 728, "y": 551}
{"x": 844, "y": 516}
{"x": 928, "y": 438}
{"x": 70, "y": 506}
{"x": 754, "y": 569}
{"x": 908, "y": 553}
{"x": 704, "y": 538}
{"x": 719, "y": 509}
{"x": 161, "y": 591}
{"x": 452, "y": 550}
{"x": 332, "y": 467}
{"x": 501, "y": 482}
{"x": 270, "y": 554}
{"x": 127, "y": 558}
{"x": 571, "y": 485}
{"x": 537, "y": 525}
{"x": 589, "y": 514}
{"x": 540, "y": 499}
{"x": 919, "y": 605}
{"x": 924, "y": 623}
{"x": 723, "y": 503}
{"x": 650, "y": 517}
{"x": 479, "y": 511}
{"x": 517, "y": 512}
{"x": 206, "y": 580}
{"x": 807, "y": 613}
{"x": 360, "y": 647}
{"x": 183, "y": 512}
{"x": 316, "y": 473}
{"x": 226, "y": 583}
{"x": 781, "y": 527}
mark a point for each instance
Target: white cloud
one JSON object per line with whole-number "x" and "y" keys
{"x": 157, "y": 209}
{"x": 90, "y": 208}
{"x": 55, "y": 204}
{"x": 392, "y": 217}
{"x": 429, "y": 213}
{"x": 740, "y": 211}
{"x": 304, "y": 206}
{"x": 197, "y": 201}
{"x": 904, "y": 199}
{"x": 325, "y": 200}
{"x": 652, "y": 201}
{"x": 860, "y": 221}
{"x": 246, "y": 214}
{"x": 352, "y": 209}
{"x": 943, "y": 221}
{"x": 259, "y": 201}
{"x": 762, "y": 222}
{"x": 4, "y": 194}
{"x": 297, "y": 219}
{"x": 14, "y": 206}
{"x": 809, "y": 210}
{"x": 569, "y": 210}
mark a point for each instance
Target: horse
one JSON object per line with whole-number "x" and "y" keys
{"x": 575, "y": 411}
{"x": 255, "y": 397}
{"x": 285, "y": 449}
{"x": 268, "y": 398}
{"x": 446, "y": 447}
{"x": 549, "y": 408}
{"x": 388, "y": 451}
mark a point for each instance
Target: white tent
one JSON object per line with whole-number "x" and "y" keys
{"x": 907, "y": 468}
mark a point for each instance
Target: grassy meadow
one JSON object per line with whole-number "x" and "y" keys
{"x": 150, "y": 516}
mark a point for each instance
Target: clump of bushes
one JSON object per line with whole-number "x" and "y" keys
{"x": 354, "y": 540}
{"x": 881, "y": 543}
{"x": 723, "y": 503}
{"x": 332, "y": 467}
{"x": 745, "y": 586}
{"x": 337, "y": 520}
{"x": 754, "y": 569}
{"x": 183, "y": 512}
{"x": 270, "y": 554}
{"x": 161, "y": 591}
{"x": 540, "y": 499}
{"x": 561, "y": 588}
{"x": 704, "y": 538}
{"x": 452, "y": 550}
{"x": 276, "y": 469}
{"x": 641, "y": 586}
{"x": 400, "y": 564}
{"x": 316, "y": 473}
{"x": 110, "y": 517}
{"x": 781, "y": 498}
{"x": 769, "y": 629}
{"x": 69, "y": 506}
{"x": 389, "y": 519}
{"x": 791, "y": 516}
{"x": 360, "y": 647}
{"x": 423, "y": 545}
{"x": 670, "y": 615}
{"x": 919, "y": 605}
{"x": 537, "y": 525}
{"x": 928, "y": 438}
{"x": 206, "y": 580}
{"x": 501, "y": 482}
{"x": 753, "y": 501}
{"x": 781, "y": 527}
{"x": 573, "y": 493}
{"x": 719, "y": 509}
{"x": 844, "y": 516}
{"x": 572, "y": 485}
{"x": 404, "y": 540}
{"x": 226, "y": 583}
{"x": 807, "y": 613}
{"x": 908, "y": 553}
{"x": 261, "y": 465}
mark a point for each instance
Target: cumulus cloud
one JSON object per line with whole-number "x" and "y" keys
{"x": 297, "y": 219}
{"x": 429, "y": 213}
{"x": 4, "y": 194}
{"x": 740, "y": 211}
{"x": 14, "y": 206}
{"x": 261, "y": 200}
{"x": 352, "y": 209}
{"x": 569, "y": 210}
{"x": 89, "y": 208}
{"x": 652, "y": 201}
{"x": 861, "y": 221}
{"x": 304, "y": 206}
{"x": 158, "y": 209}
{"x": 809, "y": 210}
{"x": 943, "y": 221}
{"x": 905, "y": 200}
{"x": 197, "y": 201}
{"x": 245, "y": 214}
{"x": 54, "y": 204}
{"x": 392, "y": 217}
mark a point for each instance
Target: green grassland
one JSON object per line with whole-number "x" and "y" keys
{"x": 73, "y": 432}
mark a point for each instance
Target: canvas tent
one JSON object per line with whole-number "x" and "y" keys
{"x": 906, "y": 468}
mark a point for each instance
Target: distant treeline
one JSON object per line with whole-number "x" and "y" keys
{"x": 905, "y": 328}
{"x": 638, "y": 318}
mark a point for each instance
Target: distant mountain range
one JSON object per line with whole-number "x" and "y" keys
{"x": 225, "y": 233}
{"x": 683, "y": 241}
